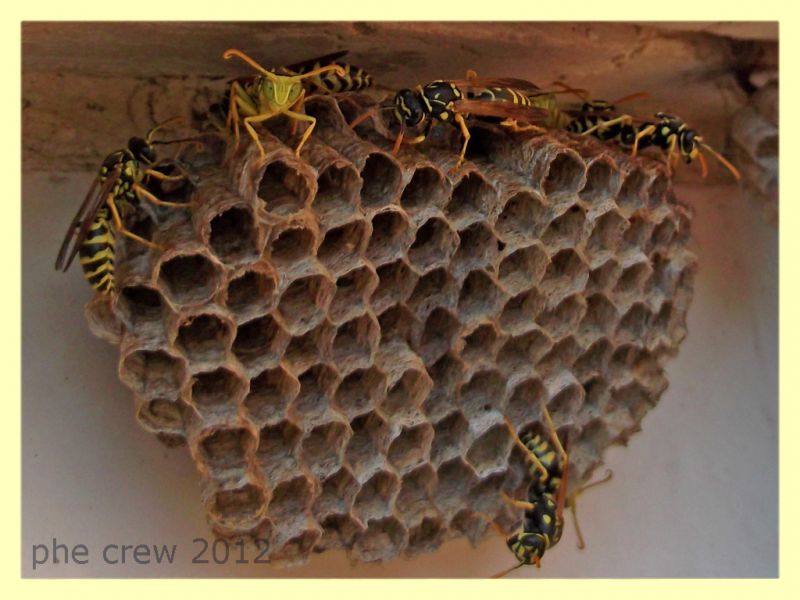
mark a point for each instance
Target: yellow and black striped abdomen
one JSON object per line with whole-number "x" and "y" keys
{"x": 354, "y": 79}
{"x": 551, "y": 461}
{"x": 97, "y": 253}
{"x": 499, "y": 94}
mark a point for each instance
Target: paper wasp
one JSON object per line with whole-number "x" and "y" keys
{"x": 453, "y": 101}
{"x": 268, "y": 95}
{"x": 543, "y": 521}
{"x": 115, "y": 193}
{"x": 669, "y": 133}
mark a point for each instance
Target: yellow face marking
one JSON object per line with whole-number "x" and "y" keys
{"x": 547, "y": 520}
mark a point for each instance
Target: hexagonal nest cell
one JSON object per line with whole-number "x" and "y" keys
{"x": 338, "y": 338}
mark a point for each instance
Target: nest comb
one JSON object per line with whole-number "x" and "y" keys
{"x": 338, "y": 337}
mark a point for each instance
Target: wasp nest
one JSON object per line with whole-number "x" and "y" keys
{"x": 338, "y": 338}
{"x": 755, "y": 138}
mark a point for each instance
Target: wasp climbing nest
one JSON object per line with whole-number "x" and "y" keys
{"x": 755, "y": 139}
{"x": 338, "y": 337}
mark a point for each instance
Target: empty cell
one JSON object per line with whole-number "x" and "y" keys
{"x": 657, "y": 190}
{"x": 407, "y": 393}
{"x": 594, "y": 360}
{"x": 455, "y": 481}
{"x": 633, "y": 278}
{"x": 631, "y": 397}
{"x": 484, "y": 393}
{"x": 470, "y": 525}
{"x": 161, "y": 415}
{"x": 324, "y": 110}
{"x": 367, "y": 446}
{"x": 523, "y": 351}
{"x": 297, "y": 548}
{"x": 396, "y": 281}
{"x": 277, "y": 449}
{"x": 338, "y": 492}
{"x": 398, "y": 322}
{"x": 343, "y": 245}
{"x": 411, "y": 448}
{"x": 353, "y": 290}
{"x": 317, "y": 386}
{"x": 473, "y": 199}
{"x": 523, "y": 218}
{"x": 259, "y": 341}
{"x": 450, "y": 438}
{"x": 303, "y": 304}
{"x": 597, "y": 394}
{"x": 564, "y": 406}
{"x": 564, "y": 318}
{"x": 566, "y": 174}
{"x": 433, "y": 245}
{"x": 337, "y": 192}
{"x": 153, "y": 373}
{"x": 526, "y": 401}
{"x": 391, "y": 235}
{"x": 426, "y": 537}
{"x": 446, "y": 373}
{"x": 414, "y": 498}
{"x": 479, "y": 298}
{"x": 603, "y": 277}
{"x": 245, "y": 502}
{"x": 607, "y": 232}
{"x": 663, "y": 235}
{"x": 323, "y": 447}
{"x": 383, "y": 540}
{"x": 434, "y": 289}
{"x": 292, "y": 245}
{"x": 188, "y": 279}
{"x": 139, "y": 305}
{"x": 481, "y": 344}
{"x": 382, "y": 178}
{"x": 634, "y": 323}
{"x": 567, "y": 230}
{"x": 374, "y": 499}
{"x": 340, "y": 531}
{"x": 271, "y": 391}
{"x": 426, "y": 188}
{"x": 560, "y": 357}
{"x": 566, "y": 274}
{"x": 309, "y": 348}
{"x": 593, "y": 439}
{"x": 216, "y": 388}
{"x": 204, "y": 338}
{"x": 283, "y": 190}
{"x": 226, "y": 448}
{"x": 250, "y": 292}
{"x": 355, "y": 343}
{"x": 234, "y": 236}
{"x": 440, "y": 333}
{"x": 632, "y": 193}
{"x": 477, "y": 249}
{"x": 290, "y": 499}
{"x": 519, "y": 312}
{"x": 638, "y": 232}
{"x": 488, "y": 453}
{"x": 661, "y": 323}
{"x": 360, "y": 392}
{"x": 602, "y": 182}
{"x": 523, "y": 268}
{"x": 601, "y": 316}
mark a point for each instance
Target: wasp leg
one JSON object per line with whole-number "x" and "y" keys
{"x": 248, "y": 124}
{"x": 489, "y": 519}
{"x": 517, "y": 128}
{"x": 573, "y": 505}
{"x": 362, "y": 117}
{"x": 142, "y": 192}
{"x": 307, "y": 133}
{"x": 238, "y": 96}
{"x": 162, "y": 177}
{"x": 531, "y": 456}
{"x": 465, "y": 133}
{"x": 517, "y": 503}
{"x": 554, "y": 434}
{"x": 120, "y": 227}
{"x": 623, "y": 120}
{"x": 644, "y": 132}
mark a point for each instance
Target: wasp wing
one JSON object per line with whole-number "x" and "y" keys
{"x": 504, "y": 110}
{"x": 79, "y": 227}
{"x": 518, "y": 85}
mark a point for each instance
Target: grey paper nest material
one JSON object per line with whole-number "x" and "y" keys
{"x": 338, "y": 338}
{"x": 755, "y": 139}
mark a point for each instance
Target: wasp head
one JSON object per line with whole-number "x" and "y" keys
{"x": 688, "y": 142}
{"x": 527, "y": 547}
{"x": 142, "y": 150}
{"x": 409, "y": 108}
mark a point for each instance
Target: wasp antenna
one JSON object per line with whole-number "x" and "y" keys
{"x": 239, "y": 54}
{"x": 150, "y": 133}
{"x": 568, "y": 89}
{"x": 703, "y": 165}
{"x": 629, "y": 97}
{"x": 505, "y": 572}
{"x": 734, "y": 171}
